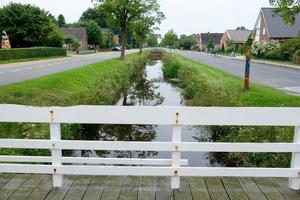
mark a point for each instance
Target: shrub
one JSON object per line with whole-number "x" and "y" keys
{"x": 171, "y": 66}
{"x": 261, "y": 48}
{"x": 289, "y": 47}
{"x": 55, "y": 39}
{"x": 23, "y": 53}
{"x": 275, "y": 54}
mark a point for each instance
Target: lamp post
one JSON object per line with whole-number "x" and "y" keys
{"x": 249, "y": 55}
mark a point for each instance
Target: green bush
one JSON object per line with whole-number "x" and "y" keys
{"x": 276, "y": 55}
{"x": 171, "y": 66}
{"x": 23, "y": 53}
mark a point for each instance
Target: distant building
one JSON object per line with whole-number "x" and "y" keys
{"x": 78, "y": 33}
{"x": 236, "y": 36}
{"x": 272, "y": 27}
{"x": 204, "y": 38}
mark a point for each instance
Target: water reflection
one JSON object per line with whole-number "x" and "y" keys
{"x": 149, "y": 89}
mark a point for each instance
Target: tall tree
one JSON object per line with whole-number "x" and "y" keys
{"x": 146, "y": 24}
{"x": 123, "y": 14}
{"x": 152, "y": 40}
{"x": 170, "y": 39}
{"x": 94, "y": 32}
{"x": 287, "y": 8}
{"x": 61, "y": 21}
{"x": 96, "y": 15}
{"x": 187, "y": 42}
{"x": 27, "y": 25}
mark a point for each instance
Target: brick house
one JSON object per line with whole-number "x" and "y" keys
{"x": 238, "y": 37}
{"x": 272, "y": 27}
{"x": 204, "y": 38}
{"x": 79, "y": 34}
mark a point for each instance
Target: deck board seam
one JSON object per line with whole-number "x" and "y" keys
{"x": 119, "y": 195}
{"x": 36, "y": 186}
{"x": 19, "y": 186}
{"x": 243, "y": 188}
{"x": 261, "y": 189}
{"x": 225, "y": 188}
{"x": 8, "y": 180}
{"x": 205, "y": 182}
{"x": 87, "y": 187}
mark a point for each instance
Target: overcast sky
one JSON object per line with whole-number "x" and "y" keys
{"x": 184, "y": 16}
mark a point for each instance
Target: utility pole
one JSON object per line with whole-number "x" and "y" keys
{"x": 249, "y": 55}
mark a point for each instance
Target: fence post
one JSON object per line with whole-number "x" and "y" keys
{"x": 55, "y": 135}
{"x": 294, "y": 183}
{"x": 176, "y": 155}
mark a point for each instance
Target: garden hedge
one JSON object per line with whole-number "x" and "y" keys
{"x": 23, "y": 53}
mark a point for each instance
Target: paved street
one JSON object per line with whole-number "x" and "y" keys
{"x": 274, "y": 76}
{"x": 16, "y": 72}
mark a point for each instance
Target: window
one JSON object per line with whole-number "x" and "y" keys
{"x": 264, "y": 31}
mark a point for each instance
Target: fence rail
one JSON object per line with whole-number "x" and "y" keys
{"x": 174, "y": 167}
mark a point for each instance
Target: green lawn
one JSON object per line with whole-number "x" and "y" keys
{"x": 258, "y": 95}
{"x": 28, "y": 59}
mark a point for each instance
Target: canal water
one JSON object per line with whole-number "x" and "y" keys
{"x": 150, "y": 89}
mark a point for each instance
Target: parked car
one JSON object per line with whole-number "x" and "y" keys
{"x": 116, "y": 49}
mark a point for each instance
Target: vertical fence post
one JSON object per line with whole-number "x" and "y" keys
{"x": 55, "y": 135}
{"x": 176, "y": 155}
{"x": 294, "y": 183}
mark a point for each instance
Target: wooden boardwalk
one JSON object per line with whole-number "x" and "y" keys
{"x": 37, "y": 187}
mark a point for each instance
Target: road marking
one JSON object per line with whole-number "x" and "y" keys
{"x": 29, "y": 68}
{"x": 41, "y": 66}
{"x": 15, "y": 70}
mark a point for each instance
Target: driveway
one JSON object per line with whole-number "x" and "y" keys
{"x": 17, "y": 72}
{"x": 278, "y": 77}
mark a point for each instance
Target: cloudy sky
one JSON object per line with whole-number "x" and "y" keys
{"x": 184, "y": 16}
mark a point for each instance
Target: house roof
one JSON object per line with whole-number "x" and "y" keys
{"x": 277, "y": 28}
{"x": 79, "y": 33}
{"x": 239, "y": 36}
{"x": 214, "y": 37}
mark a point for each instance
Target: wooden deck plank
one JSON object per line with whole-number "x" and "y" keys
{"x": 184, "y": 191}
{"x": 147, "y": 188}
{"x": 78, "y": 188}
{"x": 112, "y": 188}
{"x": 234, "y": 189}
{"x": 251, "y": 189}
{"x": 164, "y": 191}
{"x": 5, "y": 178}
{"x": 10, "y": 187}
{"x": 216, "y": 189}
{"x": 59, "y": 193}
{"x": 130, "y": 188}
{"x": 282, "y": 186}
{"x": 42, "y": 190}
{"x": 27, "y": 187}
{"x": 95, "y": 188}
{"x": 268, "y": 189}
{"x": 199, "y": 189}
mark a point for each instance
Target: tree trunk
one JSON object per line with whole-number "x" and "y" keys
{"x": 123, "y": 45}
{"x": 141, "y": 47}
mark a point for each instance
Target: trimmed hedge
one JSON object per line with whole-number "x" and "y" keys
{"x": 23, "y": 53}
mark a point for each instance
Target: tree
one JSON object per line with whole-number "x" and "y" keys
{"x": 55, "y": 39}
{"x": 210, "y": 45}
{"x": 170, "y": 39}
{"x": 241, "y": 28}
{"x": 96, "y": 15}
{"x": 93, "y": 31}
{"x": 187, "y": 42}
{"x": 152, "y": 40}
{"x": 61, "y": 22}
{"x": 27, "y": 25}
{"x": 123, "y": 14}
{"x": 146, "y": 24}
{"x": 287, "y": 8}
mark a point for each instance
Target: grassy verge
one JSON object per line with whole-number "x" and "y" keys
{"x": 28, "y": 59}
{"x": 96, "y": 84}
{"x": 206, "y": 86}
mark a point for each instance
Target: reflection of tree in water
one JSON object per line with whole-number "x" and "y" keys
{"x": 142, "y": 92}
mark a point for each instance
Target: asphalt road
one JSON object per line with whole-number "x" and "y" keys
{"x": 17, "y": 72}
{"x": 286, "y": 79}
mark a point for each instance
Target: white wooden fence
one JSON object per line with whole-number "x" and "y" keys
{"x": 173, "y": 167}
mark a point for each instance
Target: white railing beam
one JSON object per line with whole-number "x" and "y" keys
{"x": 55, "y": 135}
{"x": 294, "y": 183}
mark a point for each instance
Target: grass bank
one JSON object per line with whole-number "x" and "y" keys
{"x": 95, "y": 84}
{"x": 203, "y": 85}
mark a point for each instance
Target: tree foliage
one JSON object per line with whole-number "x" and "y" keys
{"x": 287, "y": 8}
{"x": 61, "y": 21}
{"x": 152, "y": 40}
{"x": 170, "y": 39}
{"x": 187, "y": 42}
{"x": 93, "y": 31}
{"x": 27, "y": 25}
{"x": 96, "y": 15}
